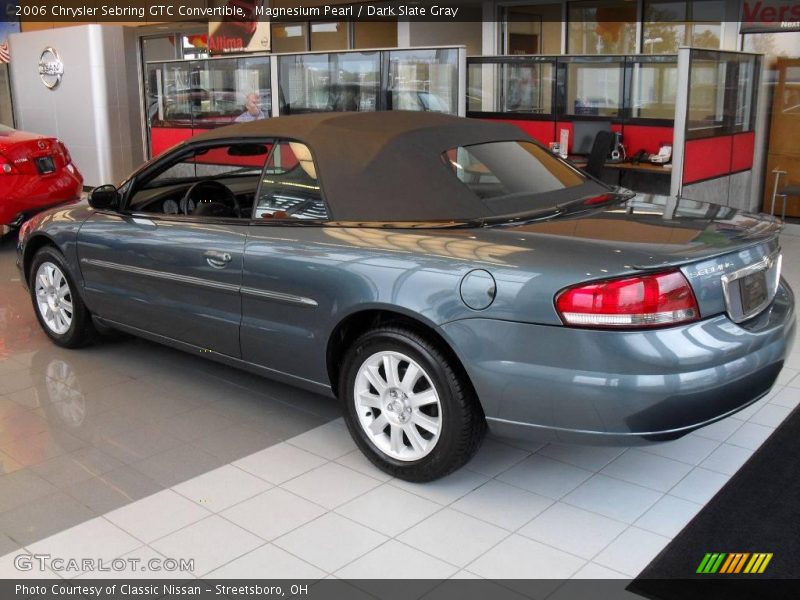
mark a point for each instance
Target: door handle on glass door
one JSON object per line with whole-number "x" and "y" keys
{"x": 217, "y": 258}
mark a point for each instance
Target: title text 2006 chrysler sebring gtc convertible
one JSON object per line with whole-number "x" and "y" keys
{"x": 436, "y": 274}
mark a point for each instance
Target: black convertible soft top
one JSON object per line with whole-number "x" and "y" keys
{"x": 384, "y": 166}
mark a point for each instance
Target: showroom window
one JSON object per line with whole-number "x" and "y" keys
{"x": 423, "y": 80}
{"x": 722, "y": 93}
{"x": 329, "y": 82}
{"x": 528, "y": 88}
{"x": 594, "y": 89}
{"x": 601, "y": 27}
{"x": 531, "y": 29}
{"x": 186, "y": 98}
{"x": 511, "y": 85}
{"x": 669, "y": 24}
{"x": 652, "y": 83}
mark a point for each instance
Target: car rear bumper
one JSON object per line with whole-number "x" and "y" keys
{"x": 621, "y": 387}
{"x": 28, "y": 194}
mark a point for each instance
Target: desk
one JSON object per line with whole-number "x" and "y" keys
{"x": 642, "y": 167}
{"x": 660, "y": 186}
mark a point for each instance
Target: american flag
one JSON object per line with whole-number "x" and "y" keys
{"x": 4, "y": 55}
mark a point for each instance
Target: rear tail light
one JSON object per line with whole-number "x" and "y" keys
{"x": 642, "y": 301}
{"x": 64, "y": 152}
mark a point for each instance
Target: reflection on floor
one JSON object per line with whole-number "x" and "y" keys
{"x": 132, "y": 449}
{"x": 85, "y": 432}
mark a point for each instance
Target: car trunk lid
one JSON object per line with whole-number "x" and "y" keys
{"x": 30, "y": 153}
{"x": 729, "y": 257}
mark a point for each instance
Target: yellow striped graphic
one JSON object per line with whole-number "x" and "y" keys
{"x": 764, "y": 564}
{"x": 758, "y": 563}
{"x": 752, "y": 563}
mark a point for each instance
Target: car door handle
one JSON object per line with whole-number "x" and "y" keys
{"x": 217, "y": 258}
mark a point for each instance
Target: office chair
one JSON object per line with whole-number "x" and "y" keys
{"x": 601, "y": 148}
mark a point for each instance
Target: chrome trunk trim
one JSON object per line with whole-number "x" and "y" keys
{"x": 733, "y": 301}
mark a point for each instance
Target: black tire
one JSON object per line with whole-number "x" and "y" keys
{"x": 462, "y": 420}
{"x": 81, "y": 331}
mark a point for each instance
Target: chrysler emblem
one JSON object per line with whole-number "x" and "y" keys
{"x": 51, "y": 69}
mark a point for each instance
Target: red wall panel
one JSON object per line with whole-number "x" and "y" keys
{"x": 743, "y": 148}
{"x": 645, "y": 137}
{"x": 164, "y": 138}
{"x": 634, "y": 137}
{"x": 568, "y": 126}
{"x": 707, "y": 158}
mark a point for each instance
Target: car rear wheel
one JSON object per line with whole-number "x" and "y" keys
{"x": 58, "y": 306}
{"x": 407, "y": 406}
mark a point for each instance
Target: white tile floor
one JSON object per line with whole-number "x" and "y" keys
{"x": 312, "y": 506}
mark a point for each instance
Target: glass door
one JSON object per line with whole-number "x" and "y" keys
{"x": 783, "y": 154}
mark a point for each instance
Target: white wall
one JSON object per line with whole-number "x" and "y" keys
{"x": 95, "y": 109}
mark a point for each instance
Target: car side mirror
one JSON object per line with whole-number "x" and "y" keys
{"x": 104, "y": 197}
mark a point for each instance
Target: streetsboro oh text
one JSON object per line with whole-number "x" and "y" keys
{"x": 156, "y": 590}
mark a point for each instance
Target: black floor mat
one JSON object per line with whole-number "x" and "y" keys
{"x": 758, "y": 511}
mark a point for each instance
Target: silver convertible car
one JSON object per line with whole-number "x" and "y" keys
{"x": 438, "y": 275}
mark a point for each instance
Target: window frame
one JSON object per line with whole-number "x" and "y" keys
{"x": 688, "y": 24}
{"x": 587, "y": 182}
{"x": 502, "y": 61}
{"x": 149, "y": 171}
{"x": 727, "y": 126}
{"x": 637, "y": 24}
{"x": 618, "y": 61}
{"x": 276, "y": 141}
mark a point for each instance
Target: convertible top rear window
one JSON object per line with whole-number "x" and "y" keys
{"x": 515, "y": 176}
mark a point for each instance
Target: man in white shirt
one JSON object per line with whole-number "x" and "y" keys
{"x": 253, "y": 110}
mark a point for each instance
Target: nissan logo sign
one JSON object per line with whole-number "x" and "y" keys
{"x": 51, "y": 69}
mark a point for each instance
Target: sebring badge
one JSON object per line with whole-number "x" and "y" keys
{"x": 51, "y": 69}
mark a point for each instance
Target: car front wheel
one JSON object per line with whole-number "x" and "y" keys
{"x": 58, "y": 307}
{"x": 407, "y": 406}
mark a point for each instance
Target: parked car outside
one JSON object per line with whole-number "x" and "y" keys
{"x": 438, "y": 275}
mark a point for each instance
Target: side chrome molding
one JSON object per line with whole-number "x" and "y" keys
{"x": 200, "y": 282}
{"x": 279, "y": 296}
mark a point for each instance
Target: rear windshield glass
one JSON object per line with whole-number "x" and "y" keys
{"x": 515, "y": 177}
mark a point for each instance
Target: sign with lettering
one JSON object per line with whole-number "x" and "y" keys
{"x": 242, "y": 31}
{"x": 769, "y": 16}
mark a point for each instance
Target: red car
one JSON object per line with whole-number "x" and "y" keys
{"x": 36, "y": 172}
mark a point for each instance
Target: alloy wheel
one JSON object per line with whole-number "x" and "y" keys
{"x": 53, "y": 298}
{"x": 398, "y": 406}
